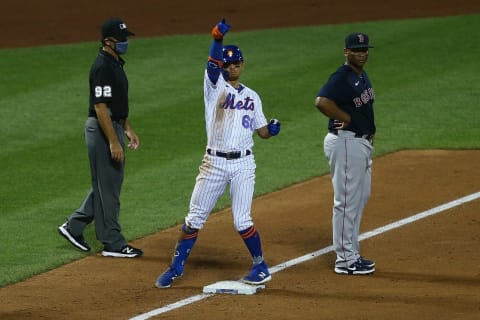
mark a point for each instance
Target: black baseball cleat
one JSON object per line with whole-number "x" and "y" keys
{"x": 356, "y": 268}
{"x": 77, "y": 241}
{"x": 126, "y": 252}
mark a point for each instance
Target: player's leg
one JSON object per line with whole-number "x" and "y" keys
{"x": 73, "y": 228}
{"x": 182, "y": 250}
{"x": 241, "y": 193}
{"x": 330, "y": 149}
{"x": 107, "y": 180}
{"x": 347, "y": 180}
{"x": 335, "y": 149}
{"x": 366, "y": 191}
{"x": 79, "y": 219}
{"x": 210, "y": 185}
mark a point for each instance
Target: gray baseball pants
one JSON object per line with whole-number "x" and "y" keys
{"x": 350, "y": 161}
{"x": 102, "y": 202}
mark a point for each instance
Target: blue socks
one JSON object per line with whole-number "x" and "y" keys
{"x": 252, "y": 240}
{"x": 183, "y": 248}
{"x": 189, "y": 236}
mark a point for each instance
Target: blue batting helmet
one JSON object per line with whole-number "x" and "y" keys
{"x": 231, "y": 54}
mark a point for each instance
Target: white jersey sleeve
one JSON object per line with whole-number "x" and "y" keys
{"x": 231, "y": 115}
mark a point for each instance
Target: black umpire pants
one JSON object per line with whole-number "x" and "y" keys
{"x": 102, "y": 202}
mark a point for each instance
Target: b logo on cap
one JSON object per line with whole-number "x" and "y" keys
{"x": 361, "y": 38}
{"x": 122, "y": 26}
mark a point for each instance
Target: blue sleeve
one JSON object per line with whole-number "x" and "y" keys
{"x": 214, "y": 64}
{"x": 332, "y": 89}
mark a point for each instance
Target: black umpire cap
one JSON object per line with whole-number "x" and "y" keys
{"x": 357, "y": 40}
{"x": 116, "y": 28}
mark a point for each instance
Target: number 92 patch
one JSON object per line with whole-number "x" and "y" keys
{"x": 105, "y": 91}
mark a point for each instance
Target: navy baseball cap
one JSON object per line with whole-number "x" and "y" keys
{"x": 116, "y": 28}
{"x": 357, "y": 40}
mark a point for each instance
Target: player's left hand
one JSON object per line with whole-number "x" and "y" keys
{"x": 273, "y": 127}
{"x": 134, "y": 140}
{"x": 220, "y": 30}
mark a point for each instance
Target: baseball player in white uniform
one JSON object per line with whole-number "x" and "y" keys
{"x": 233, "y": 112}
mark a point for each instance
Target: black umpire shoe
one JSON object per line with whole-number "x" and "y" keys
{"x": 77, "y": 241}
{"x": 125, "y": 252}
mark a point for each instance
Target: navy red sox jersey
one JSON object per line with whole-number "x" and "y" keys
{"x": 109, "y": 84}
{"x": 354, "y": 94}
{"x": 232, "y": 115}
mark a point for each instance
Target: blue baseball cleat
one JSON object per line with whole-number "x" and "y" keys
{"x": 258, "y": 275}
{"x": 166, "y": 279}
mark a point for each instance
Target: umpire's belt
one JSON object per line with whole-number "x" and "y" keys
{"x": 368, "y": 137}
{"x": 229, "y": 155}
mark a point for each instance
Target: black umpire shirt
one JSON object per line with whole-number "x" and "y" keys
{"x": 109, "y": 84}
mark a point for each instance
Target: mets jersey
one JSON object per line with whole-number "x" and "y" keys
{"x": 231, "y": 115}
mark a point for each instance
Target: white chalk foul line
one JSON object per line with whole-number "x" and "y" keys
{"x": 419, "y": 216}
{"x": 172, "y": 306}
{"x": 312, "y": 255}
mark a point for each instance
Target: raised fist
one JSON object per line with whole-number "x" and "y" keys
{"x": 220, "y": 30}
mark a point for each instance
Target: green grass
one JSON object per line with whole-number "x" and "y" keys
{"x": 423, "y": 71}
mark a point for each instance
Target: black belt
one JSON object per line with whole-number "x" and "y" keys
{"x": 228, "y": 155}
{"x": 368, "y": 137}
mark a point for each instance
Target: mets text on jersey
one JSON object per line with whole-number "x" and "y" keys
{"x": 246, "y": 104}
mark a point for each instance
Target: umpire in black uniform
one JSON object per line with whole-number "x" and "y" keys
{"x": 105, "y": 130}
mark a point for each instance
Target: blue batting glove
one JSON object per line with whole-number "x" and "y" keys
{"x": 273, "y": 127}
{"x": 220, "y": 30}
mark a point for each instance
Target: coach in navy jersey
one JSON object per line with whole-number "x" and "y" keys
{"x": 105, "y": 130}
{"x": 347, "y": 100}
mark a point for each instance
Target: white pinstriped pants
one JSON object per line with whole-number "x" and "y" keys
{"x": 215, "y": 174}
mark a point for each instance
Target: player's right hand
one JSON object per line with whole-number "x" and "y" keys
{"x": 338, "y": 125}
{"x": 116, "y": 151}
{"x": 220, "y": 30}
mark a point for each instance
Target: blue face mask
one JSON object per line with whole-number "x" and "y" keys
{"x": 121, "y": 47}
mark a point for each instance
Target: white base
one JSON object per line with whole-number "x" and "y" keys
{"x": 232, "y": 287}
